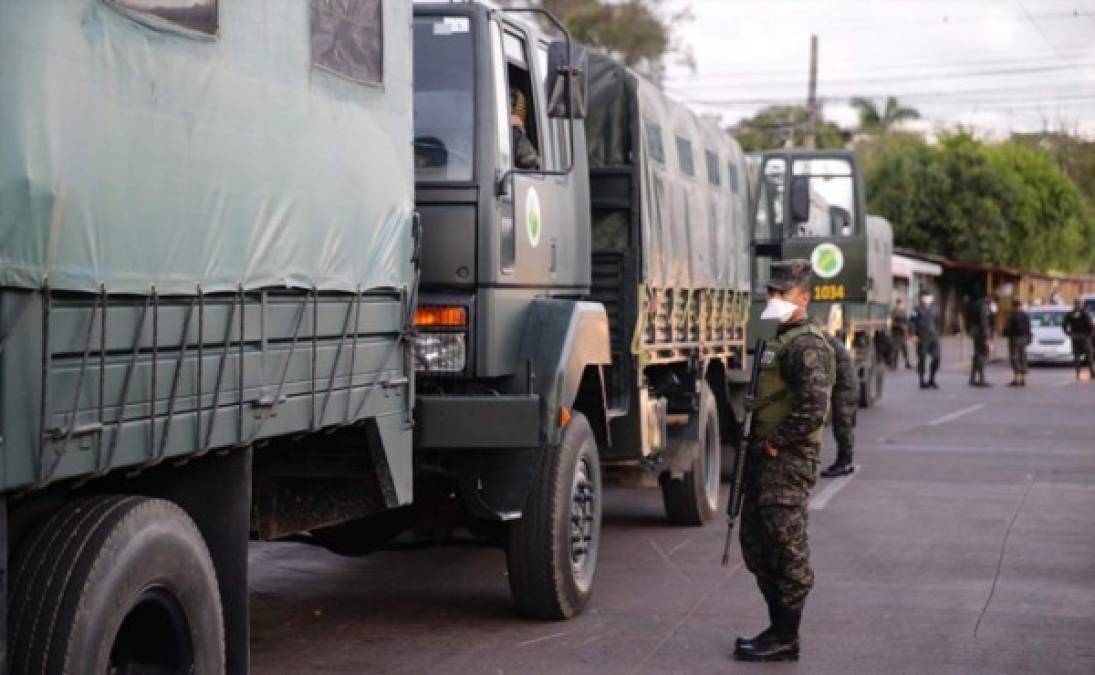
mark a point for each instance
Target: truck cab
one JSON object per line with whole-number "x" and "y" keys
{"x": 508, "y": 355}
{"x": 810, "y": 204}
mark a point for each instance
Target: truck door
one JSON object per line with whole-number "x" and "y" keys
{"x": 536, "y": 211}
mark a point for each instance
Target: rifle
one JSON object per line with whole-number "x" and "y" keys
{"x": 733, "y": 506}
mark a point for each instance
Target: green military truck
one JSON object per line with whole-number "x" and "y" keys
{"x": 206, "y": 291}
{"x": 811, "y": 204}
{"x": 584, "y": 293}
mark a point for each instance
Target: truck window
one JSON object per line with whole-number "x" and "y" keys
{"x": 732, "y": 176}
{"x": 444, "y": 107}
{"x": 656, "y": 146}
{"x": 347, "y": 39}
{"x": 713, "y": 176}
{"x": 684, "y": 156}
{"x": 192, "y": 15}
{"x": 522, "y": 105}
{"x": 832, "y": 197}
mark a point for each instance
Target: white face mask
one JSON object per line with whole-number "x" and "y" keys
{"x": 778, "y": 309}
{"x": 927, "y": 300}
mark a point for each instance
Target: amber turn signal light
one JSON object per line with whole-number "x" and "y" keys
{"x": 440, "y": 317}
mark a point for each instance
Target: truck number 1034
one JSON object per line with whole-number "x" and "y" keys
{"x": 829, "y": 292}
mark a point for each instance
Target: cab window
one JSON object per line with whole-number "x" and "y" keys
{"x": 199, "y": 16}
{"x": 522, "y": 110}
{"x": 832, "y": 197}
{"x": 444, "y": 104}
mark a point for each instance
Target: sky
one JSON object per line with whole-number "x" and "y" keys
{"x": 995, "y": 66}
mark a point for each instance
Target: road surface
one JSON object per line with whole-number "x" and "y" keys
{"x": 965, "y": 544}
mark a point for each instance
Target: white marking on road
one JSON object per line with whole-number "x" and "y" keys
{"x": 669, "y": 562}
{"x": 956, "y": 414}
{"x": 821, "y": 499}
{"x": 545, "y": 638}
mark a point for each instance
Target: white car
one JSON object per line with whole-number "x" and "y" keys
{"x": 1050, "y": 344}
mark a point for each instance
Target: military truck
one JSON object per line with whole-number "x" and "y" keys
{"x": 811, "y": 204}
{"x": 582, "y": 302}
{"x": 206, "y": 293}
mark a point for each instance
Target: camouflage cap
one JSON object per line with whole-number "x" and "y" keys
{"x": 787, "y": 274}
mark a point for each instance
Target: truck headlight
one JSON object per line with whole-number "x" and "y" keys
{"x": 442, "y": 343}
{"x": 441, "y": 352}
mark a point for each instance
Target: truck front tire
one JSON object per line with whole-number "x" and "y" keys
{"x": 693, "y": 499}
{"x": 551, "y": 552}
{"x": 115, "y": 584}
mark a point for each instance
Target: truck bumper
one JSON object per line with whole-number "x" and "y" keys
{"x": 477, "y": 422}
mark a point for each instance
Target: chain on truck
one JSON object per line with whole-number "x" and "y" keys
{"x": 810, "y": 204}
{"x": 583, "y": 312}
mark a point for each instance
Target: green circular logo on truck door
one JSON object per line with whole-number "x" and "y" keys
{"x": 827, "y": 260}
{"x": 532, "y": 217}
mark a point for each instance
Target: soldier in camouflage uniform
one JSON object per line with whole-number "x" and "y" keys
{"x": 792, "y": 400}
{"x": 845, "y": 404}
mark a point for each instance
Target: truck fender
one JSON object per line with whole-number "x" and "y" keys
{"x": 559, "y": 340}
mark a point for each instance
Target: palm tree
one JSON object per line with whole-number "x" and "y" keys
{"x": 873, "y": 121}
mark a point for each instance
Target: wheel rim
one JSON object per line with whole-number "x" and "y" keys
{"x": 583, "y": 523}
{"x": 154, "y": 637}
{"x": 711, "y": 465}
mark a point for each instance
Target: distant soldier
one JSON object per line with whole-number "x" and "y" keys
{"x": 899, "y": 328}
{"x": 844, "y": 404}
{"x": 1079, "y": 327}
{"x": 1017, "y": 331}
{"x": 980, "y": 330}
{"x": 792, "y": 399}
{"x": 925, "y": 325}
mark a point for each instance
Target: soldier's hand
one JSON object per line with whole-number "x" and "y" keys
{"x": 769, "y": 450}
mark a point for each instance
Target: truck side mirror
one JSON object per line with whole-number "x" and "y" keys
{"x": 800, "y": 199}
{"x": 567, "y": 84}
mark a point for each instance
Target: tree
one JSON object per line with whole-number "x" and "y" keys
{"x": 776, "y": 126}
{"x": 637, "y": 32}
{"x": 873, "y": 121}
{"x": 1007, "y": 204}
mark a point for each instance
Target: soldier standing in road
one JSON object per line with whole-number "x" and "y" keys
{"x": 1079, "y": 327}
{"x": 792, "y": 399}
{"x": 925, "y": 325}
{"x": 844, "y": 405}
{"x": 980, "y": 329}
{"x": 1017, "y": 331}
{"x": 899, "y": 328}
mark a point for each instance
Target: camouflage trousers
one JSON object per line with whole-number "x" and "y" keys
{"x": 844, "y": 410}
{"x": 773, "y": 525}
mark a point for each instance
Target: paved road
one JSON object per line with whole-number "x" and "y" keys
{"x": 966, "y": 544}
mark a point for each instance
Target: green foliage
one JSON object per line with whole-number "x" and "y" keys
{"x": 635, "y": 31}
{"x": 1006, "y": 204}
{"x": 875, "y": 121}
{"x": 774, "y": 126}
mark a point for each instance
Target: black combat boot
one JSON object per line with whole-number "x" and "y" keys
{"x": 771, "y": 599}
{"x": 781, "y": 644}
{"x": 841, "y": 467}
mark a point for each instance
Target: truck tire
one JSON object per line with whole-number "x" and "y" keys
{"x": 693, "y": 499}
{"x": 551, "y": 552}
{"x": 118, "y": 584}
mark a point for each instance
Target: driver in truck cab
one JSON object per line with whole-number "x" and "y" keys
{"x": 525, "y": 155}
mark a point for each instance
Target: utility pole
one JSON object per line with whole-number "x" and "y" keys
{"x": 811, "y": 99}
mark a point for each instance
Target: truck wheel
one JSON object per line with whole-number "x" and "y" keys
{"x": 693, "y": 499}
{"x": 551, "y": 552}
{"x": 115, "y": 584}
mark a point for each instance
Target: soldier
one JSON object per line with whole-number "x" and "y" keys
{"x": 525, "y": 155}
{"x": 980, "y": 329}
{"x": 925, "y": 325}
{"x": 1079, "y": 327}
{"x": 899, "y": 320}
{"x": 1017, "y": 331}
{"x": 792, "y": 399}
{"x": 844, "y": 405}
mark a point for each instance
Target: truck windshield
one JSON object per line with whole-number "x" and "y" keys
{"x": 1047, "y": 319}
{"x": 444, "y": 109}
{"x": 832, "y": 197}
